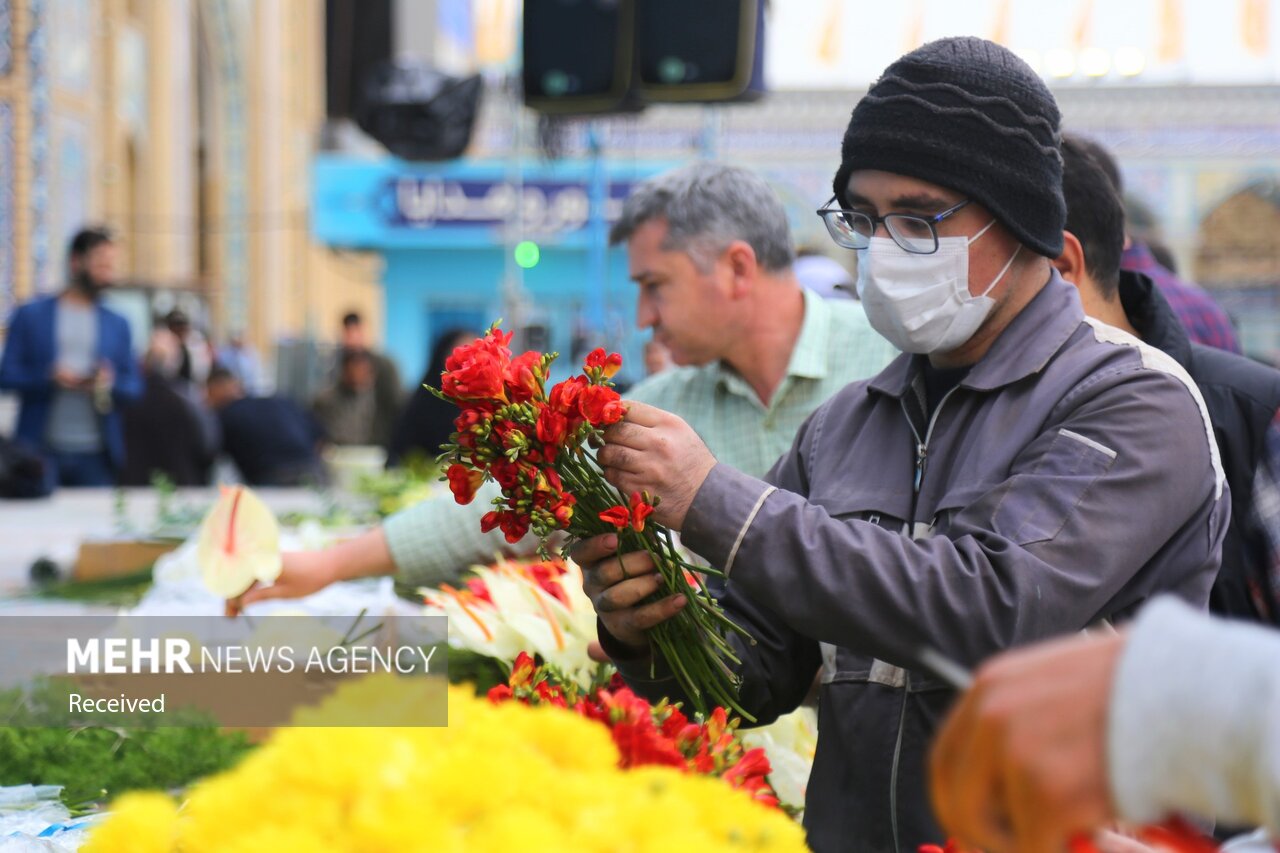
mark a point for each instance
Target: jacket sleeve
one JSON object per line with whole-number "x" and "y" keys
{"x": 19, "y": 370}
{"x": 128, "y": 380}
{"x": 1124, "y": 478}
{"x": 1183, "y": 672}
{"x": 777, "y": 669}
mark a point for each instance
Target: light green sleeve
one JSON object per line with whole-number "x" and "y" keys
{"x": 435, "y": 541}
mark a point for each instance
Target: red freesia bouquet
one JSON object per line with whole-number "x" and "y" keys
{"x": 536, "y": 445}
{"x": 647, "y": 734}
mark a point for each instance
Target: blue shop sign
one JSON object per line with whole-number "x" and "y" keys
{"x": 393, "y": 205}
{"x": 538, "y": 208}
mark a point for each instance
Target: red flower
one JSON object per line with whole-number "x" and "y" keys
{"x": 523, "y": 377}
{"x": 522, "y": 670}
{"x": 549, "y": 694}
{"x": 618, "y": 516}
{"x": 479, "y": 589}
{"x": 499, "y": 693}
{"x": 562, "y": 511}
{"x": 506, "y": 473}
{"x": 601, "y": 406}
{"x": 640, "y": 744}
{"x": 640, "y": 510}
{"x": 488, "y": 521}
{"x": 553, "y": 427}
{"x": 674, "y": 725}
{"x": 475, "y": 371}
{"x": 463, "y": 482}
{"x": 608, "y": 365}
{"x": 514, "y": 527}
{"x": 565, "y": 395}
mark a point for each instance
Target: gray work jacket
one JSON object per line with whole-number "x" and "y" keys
{"x": 1070, "y": 475}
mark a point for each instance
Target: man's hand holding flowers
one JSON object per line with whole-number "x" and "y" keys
{"x": 657, "y": 453}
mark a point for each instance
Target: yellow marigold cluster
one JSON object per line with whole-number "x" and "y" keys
{"x": 499, "y": 777}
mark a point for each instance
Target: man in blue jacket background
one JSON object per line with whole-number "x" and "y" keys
{"x": 70, "y": 360}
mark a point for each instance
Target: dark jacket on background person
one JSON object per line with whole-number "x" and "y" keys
{"x": 163, "y": 434}
{"x": 427, "y": 421}
{"x": 388, "y": 396}
{"x": 30, "y": 353}
{"x": 1031, "y": 503}
{"x": 273, "y": 442}
{"x": 1243, "y": 398}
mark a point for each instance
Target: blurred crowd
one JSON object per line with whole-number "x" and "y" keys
{"x": 93, "y": 414}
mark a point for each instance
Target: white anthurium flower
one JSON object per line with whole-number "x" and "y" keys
{"x": 790, "y": 742}
{"x": 238, "y": 543}
{"x": 522, "y": 616}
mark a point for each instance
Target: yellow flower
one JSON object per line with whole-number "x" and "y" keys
{"x": 141, "y": 822}
{"x": 498, "y": 778}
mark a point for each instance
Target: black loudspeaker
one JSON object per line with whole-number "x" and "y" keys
{"x": 579, "y": 56}
{"x": 357, "y": 38}
{"x": 700, "y": 50}
{"x": 418, "y": 112}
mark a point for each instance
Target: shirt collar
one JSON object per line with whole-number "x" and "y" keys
{"x": 810, "y": 355}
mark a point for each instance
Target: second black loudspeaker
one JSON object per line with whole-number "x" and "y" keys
{"x": 700, "y": 50}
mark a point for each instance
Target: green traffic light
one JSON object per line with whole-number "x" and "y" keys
{"x": 527, "y": 254}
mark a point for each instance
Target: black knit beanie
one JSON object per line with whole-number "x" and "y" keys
{"x": 969, "y": 115}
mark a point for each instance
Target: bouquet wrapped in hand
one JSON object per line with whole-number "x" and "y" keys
{"x": 537, "y": 446}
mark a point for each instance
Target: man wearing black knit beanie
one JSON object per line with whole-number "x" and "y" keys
{"x": 1019, "y": 472}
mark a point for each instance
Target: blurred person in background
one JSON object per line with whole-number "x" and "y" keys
{"x": 347, "y": 409}
{"x": 427, "y": 421}
{"x": 657, "y": 358}
{"x": 239, "y": 356}
{"x": 70, "y": 360}
{"x": 163, "y": 431}
{"x": 195, "y": 353}
{"x": 823, "y": 275}
{"x": 388, "y": 396}
{"x": 710, "y": 252}
{"x": 1241, "y": 395}
{"x": 272, "y": 440}
{"x": 1204, "y": 319}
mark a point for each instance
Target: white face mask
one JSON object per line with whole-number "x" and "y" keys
{"x": 921, "y": 303}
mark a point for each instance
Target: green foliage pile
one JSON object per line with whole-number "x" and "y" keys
{"x": 95, "y": 763}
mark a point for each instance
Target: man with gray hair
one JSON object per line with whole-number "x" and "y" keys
{"x": 710, "y": 250}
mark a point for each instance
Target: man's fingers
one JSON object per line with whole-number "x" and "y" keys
{"x": 263, "y": 593}
{"x": 593, "y": 550}
{"x": 596, "y": 652}
{"x": 234, "y": 606}
{"x": 625, "y": 595}
{"x": 644, "y": 415}
{"x": 976, "y": 786}
{"x": 619, "y": 458}
{"x": 650, "y": 615}
{"x": 627, "y": 434}
{"x": 608, "y": 573}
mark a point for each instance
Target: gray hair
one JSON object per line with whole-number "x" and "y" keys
{"x": 707, "y": 206}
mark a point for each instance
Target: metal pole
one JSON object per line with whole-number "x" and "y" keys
{"x": 597, "y": 233}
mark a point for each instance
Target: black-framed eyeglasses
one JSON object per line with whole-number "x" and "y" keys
{"x": 916, "y": 234}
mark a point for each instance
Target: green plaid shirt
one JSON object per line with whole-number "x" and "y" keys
{"x": 436, "y": 539}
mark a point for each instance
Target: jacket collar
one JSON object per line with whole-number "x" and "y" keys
{"x": 1023, "y": 349}
{"x": 1153, "y": 318}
